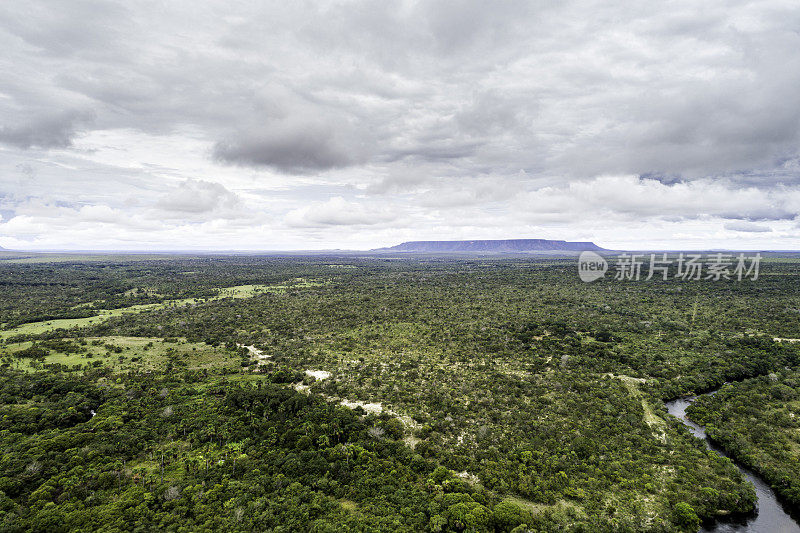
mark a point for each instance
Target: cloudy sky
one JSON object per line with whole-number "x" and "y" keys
{"x": 299, "y": 125}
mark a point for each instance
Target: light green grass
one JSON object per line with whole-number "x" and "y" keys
{"x": 138, "y": 354}
{"x": 655, "y": 422}
{"x": 239, "y": 291}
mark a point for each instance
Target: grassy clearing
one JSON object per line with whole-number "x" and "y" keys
{"x": 35, "y": 328}
{"x": 656, "y": 422}
{"x": 237, "y": 292}
{"x": 129, "y": 354}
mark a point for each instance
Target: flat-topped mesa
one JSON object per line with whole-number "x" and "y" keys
{"x": 500, "y": 245}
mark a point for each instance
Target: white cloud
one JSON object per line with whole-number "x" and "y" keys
{"x": 200, "y": 198}
{"x": 454, "y": 120}
{"x": 337, "y": 212}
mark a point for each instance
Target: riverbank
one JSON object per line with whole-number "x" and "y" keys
{"x": 771, "y": 515}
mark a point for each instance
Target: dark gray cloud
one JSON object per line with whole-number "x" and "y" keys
{"x": 290, "y": 150}
{"x": 53, "y": 131}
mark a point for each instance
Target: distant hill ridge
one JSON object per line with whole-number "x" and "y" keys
{"x": 504, "y": 245}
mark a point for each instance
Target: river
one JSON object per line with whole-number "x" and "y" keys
{"x": 771, "y": 517}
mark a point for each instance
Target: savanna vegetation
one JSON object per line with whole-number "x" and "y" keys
{"x": 383, "y": 394}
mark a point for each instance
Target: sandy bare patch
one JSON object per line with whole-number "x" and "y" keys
{"x": 259, "y": 356}
{"x": 411, "y": 441}
{"x": 376, "y": 408}
{"x": 472, "y": 479}
{"x": 255, "y": 352}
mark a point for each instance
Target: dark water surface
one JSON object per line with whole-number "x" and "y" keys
{"x": 771, "y": 517}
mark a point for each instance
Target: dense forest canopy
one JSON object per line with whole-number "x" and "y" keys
{"x": 341, "y": 393}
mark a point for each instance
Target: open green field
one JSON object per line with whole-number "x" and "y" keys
{"x": 239, "y": 291}
{"x": 126, "y": 354}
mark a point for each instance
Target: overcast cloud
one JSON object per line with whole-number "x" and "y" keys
{"x": 296, "y": 125}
